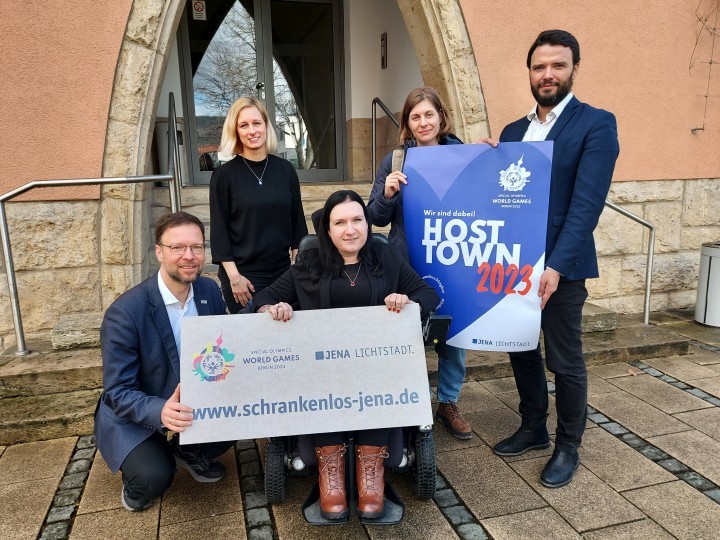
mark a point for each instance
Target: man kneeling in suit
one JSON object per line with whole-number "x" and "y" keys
{"x": 140, "y": 338}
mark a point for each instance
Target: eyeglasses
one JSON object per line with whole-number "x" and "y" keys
{"x": 197, "y": 249}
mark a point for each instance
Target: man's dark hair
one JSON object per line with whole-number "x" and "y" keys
{"x": 556, "y": 37}
{"x": 176, "y": 219}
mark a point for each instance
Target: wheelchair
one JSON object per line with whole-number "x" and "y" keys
{"x": 411, "y": 449}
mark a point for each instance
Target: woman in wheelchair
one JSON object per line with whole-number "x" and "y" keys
{"x": 348, "y": 270}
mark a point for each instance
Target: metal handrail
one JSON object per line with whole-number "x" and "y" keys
{"x": 650, "y": 254}
{"x": 611, "y": 205}
{"x": 375, "y": 102}
{"x": 173, "y": 180}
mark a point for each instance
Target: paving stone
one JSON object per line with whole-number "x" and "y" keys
{"x": 117, "y": 524}
{"x": 586, "y": 503}
{"x": 249, "y": 469}
{"x": 652, "y": 452}
{"x": 598, "y": 418}
{"x": 24, "y": 505}
{"x": 667, "y": 379}
{"x": 710, "y": 385}
{"x": 529, "y": 524}
{"x": 714, "y": 401}
{"x": 611, "y": 371}
{"x": 695, "y": 480}
{"x": 245, "y": 444}
{"x": 693, "y": 330}
{"x": 704, "y": 357}
{"x": 698, "y": 393}
{"x": 714, "y": 494}
{"x": 439, "y": 483}
{"x": 680, "y": 385}
{"x": 221, "y": 526}
{"x": 458, "y": 515}
{"x": 597, "y": 385}
{"x": 551, "y": 387}
{"x": 60, "y": 513}
{"x": 614, "y": 428}
{"x": 475, "y": 397}
{"x": 80, "y": 465}
{"x": 617, "y": 464}
{"x": 445, "y": 497}
{"x": 681, "y": 367}
{"x": 672, "y": 465}
{"x": 257, "y": 516}
{"x": 422, "y": 519}
{"x": 55, "y": 531}
{"x": 252, "y": 483}
{"x": 67, "y": 497}
{"x": 693, "y": 448}
{"x": 74, "y": 480}
{"x": 659, "y": 394}
{"x": 255, "y": 499}
{"x": 471, "y": 531}
{"x": 85, "y": 453}
{"x": 644, "y": 529}
{"x": 263, "y": 533}
{"x": 187, "y": 497}
{"x": 653, "y": 372}
{"x": 19, "y": 462}
{"x": 679, "y": 509}
{"x": 247, "y": 456}
{"x": 86, "y": 441}
{"x": 102, "y": 489}
{"x": 445, "y": 442}
{"x": 636, "y": 415}
{"x": 500, "y": 386}
{"x": 487, "y": 485}
{"x": 632, "y": 440}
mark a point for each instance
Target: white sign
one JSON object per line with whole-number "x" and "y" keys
{"x": 248, "y": 376}
{"x": 198, "y": 10}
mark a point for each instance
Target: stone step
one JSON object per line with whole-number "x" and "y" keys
{"x": 49, "y": 416}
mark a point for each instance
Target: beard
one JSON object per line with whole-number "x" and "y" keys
{"x": 175, "y": 276}
{"x": 551, "y": 100}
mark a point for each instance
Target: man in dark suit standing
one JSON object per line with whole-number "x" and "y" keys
{"x": 584, "y": 155}
{"x": 140, "y": 339}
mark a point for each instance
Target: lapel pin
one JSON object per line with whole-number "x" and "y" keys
{"x": 203, "y": 301}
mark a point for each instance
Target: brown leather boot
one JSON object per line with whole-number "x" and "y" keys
{"x": 331, "y": 465}
{"x": 450, "y": 417}
{"x": 370, "y": 474}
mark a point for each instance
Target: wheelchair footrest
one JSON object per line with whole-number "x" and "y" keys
{"x": 393, "y": 513}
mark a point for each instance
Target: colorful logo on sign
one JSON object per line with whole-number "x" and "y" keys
{"x": 212, "y": 364}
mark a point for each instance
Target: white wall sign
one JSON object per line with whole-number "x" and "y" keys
{"x": 198, "y": 10}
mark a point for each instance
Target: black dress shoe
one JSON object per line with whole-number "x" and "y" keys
{"x": 521, "y": 441}
{"x": 560, "y": 469}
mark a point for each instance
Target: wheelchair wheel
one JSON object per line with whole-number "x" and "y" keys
{"x": 423, "y": 469}
{"x": 275, "y": 472}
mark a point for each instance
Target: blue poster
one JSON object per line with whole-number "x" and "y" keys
{"x": 475, "y": 222}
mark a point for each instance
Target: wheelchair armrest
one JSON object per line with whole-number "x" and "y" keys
{"x": 435, "y": 328}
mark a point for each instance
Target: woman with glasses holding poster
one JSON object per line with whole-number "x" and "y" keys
{"x": 256, "y": 215}
{"x": 348, "y": 270}
{"x": 424, "y": 122}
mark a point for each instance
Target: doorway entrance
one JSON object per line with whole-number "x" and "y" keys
{"x": 285, "y": 52}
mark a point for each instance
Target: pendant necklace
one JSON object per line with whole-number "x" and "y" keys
{"x": 353, "y": 280}
{"x": 259, "y": 178}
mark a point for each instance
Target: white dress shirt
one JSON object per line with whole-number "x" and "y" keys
{"x": 175, "y": 310}
{"x": 537, "y": 130}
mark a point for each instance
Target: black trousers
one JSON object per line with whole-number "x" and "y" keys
{"x": 562, "y": 334}
{"x": 365, "y": 437}
{"x": 149, "y": 469}
{"x": 260, "y": 281}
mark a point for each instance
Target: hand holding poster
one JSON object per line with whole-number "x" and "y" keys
{"x": 475, "y": 225}
{"x": 248, "y": 376}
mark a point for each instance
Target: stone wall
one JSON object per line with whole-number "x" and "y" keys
{"x": 55, "y": 247}
{"x": 685, "y": 215}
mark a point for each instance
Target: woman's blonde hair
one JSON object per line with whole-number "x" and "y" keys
{"x": 230, "y": 146}
{"x": 418, "y": 95}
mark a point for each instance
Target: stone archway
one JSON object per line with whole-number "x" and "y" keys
{"x": 438, "y": 32}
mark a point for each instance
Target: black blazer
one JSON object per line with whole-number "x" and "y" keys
{"x": 296, "y": 287}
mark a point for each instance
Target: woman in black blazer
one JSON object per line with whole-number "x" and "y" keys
{"x": 348, "y": 270}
